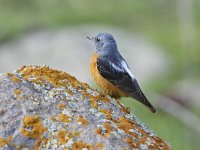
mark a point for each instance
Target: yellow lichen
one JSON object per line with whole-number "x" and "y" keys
{"x": 99, "y": 146}
{"x": 53, "y": 118}
{"x": 106, "y": 132}
{"x": 17, "y": 91}
{"x": 5, "y": 141}
{"x": 13, "y": 77}
{"x": 86, "y": 86}
{"x": 126, "y": 126}
{"x": 93, "y": 102}
{"x": 55, "y": 77}
{"x": 64, "y": 136}
{"x": 81, "y": 145}
{"x": 9, "y": 74}
{"x": 107, "y": 113}
{"x": 64, "y": 118}
{"x": 130, "y": 142}
{"x": 94, "y": 99}
{"x": 76, "y": 133}
{"x": 31, "y": 120}
{"x": 61, "y": 106}
{"x": 69, "y": 91}
{"x": 35, "y": 129}
{"x": 40, "y": 141}
{"x": 123, "y": 108}
{"x": 102, "y": 97}
{"x": 82, "y": 120}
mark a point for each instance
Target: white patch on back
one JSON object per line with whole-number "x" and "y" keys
{"x": 117, "y": 68}
{"x": 127, "y": 69}
{"x": 123, "y": 68}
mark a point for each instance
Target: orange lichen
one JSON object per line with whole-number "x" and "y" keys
{"x": 39, "y": 141}
{"x": 87, "y": 94}
{"x": 35, "y": 127}
{"x": 94, "y": 99}
{"x": 130, "y": 142}
{"x": 99, "y": 146}
{"x": 13, "y": 77}
{"x": 69, "y": 91}
{"x": 22, "y": 68}
{"x": 125, "y": 125}
{"x": 41, "y": 73}
{"x": 123, "y": 108}
{"x": 64, "y": 136}
{"x": 128, "y": 123}
{"x": 9, "y": 74}
{"x": 98, "y": 131}
{"x": 86, "y": 85}
{"x": 82, "y": 120}
{"x": 102, "y": 97}
{"x": 93, "y": 102}
{"x": 108, "y": 128}
{"x": 5, "y": 141}
{"x": 53, "y": 118}
{"x": 17, "y": 91}
{"x": 81, "y": 145}
{"x": 106, "y": 132}
{"x": 64, "y": 118}
{"x": 76, "y": 133}
{"x": 107, "y": 113}
{"x": 31, "y": 120}
{"x": 165, "y": 147}
{"x": 143, "y": 140}
{"x": 123, "y": 148}
{"x": 61, "y": 106}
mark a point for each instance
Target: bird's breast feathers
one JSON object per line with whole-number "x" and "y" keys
{"x": 106, "y": 85}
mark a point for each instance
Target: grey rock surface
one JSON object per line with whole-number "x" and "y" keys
{"x": 43, "y": 108}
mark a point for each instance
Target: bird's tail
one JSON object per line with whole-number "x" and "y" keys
{"x": 139, "y": 96}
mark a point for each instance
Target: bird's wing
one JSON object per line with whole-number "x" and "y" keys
{"x": 117, "y": 72}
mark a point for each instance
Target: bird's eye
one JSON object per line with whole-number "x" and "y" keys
{"x": 98, "y": 40}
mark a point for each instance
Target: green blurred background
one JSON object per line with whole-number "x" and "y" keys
{"x": 172, "y": 25}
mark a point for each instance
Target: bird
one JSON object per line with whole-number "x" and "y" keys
{"x": 111, "y": 72}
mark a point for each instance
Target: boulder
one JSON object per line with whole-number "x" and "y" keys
{"x": 43, "y": 108}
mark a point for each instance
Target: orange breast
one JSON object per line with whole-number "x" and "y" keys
{"x": 106, "y": 86}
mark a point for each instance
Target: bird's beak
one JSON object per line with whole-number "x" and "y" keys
{"x": 90, "y": 38}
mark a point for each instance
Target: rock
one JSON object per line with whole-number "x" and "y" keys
{"x": 43, "y": 108}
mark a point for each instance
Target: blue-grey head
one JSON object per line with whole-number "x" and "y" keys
{"x": 104, "y": 43}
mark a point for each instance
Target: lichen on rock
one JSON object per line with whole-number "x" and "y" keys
{"x": 43, "y": 108}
